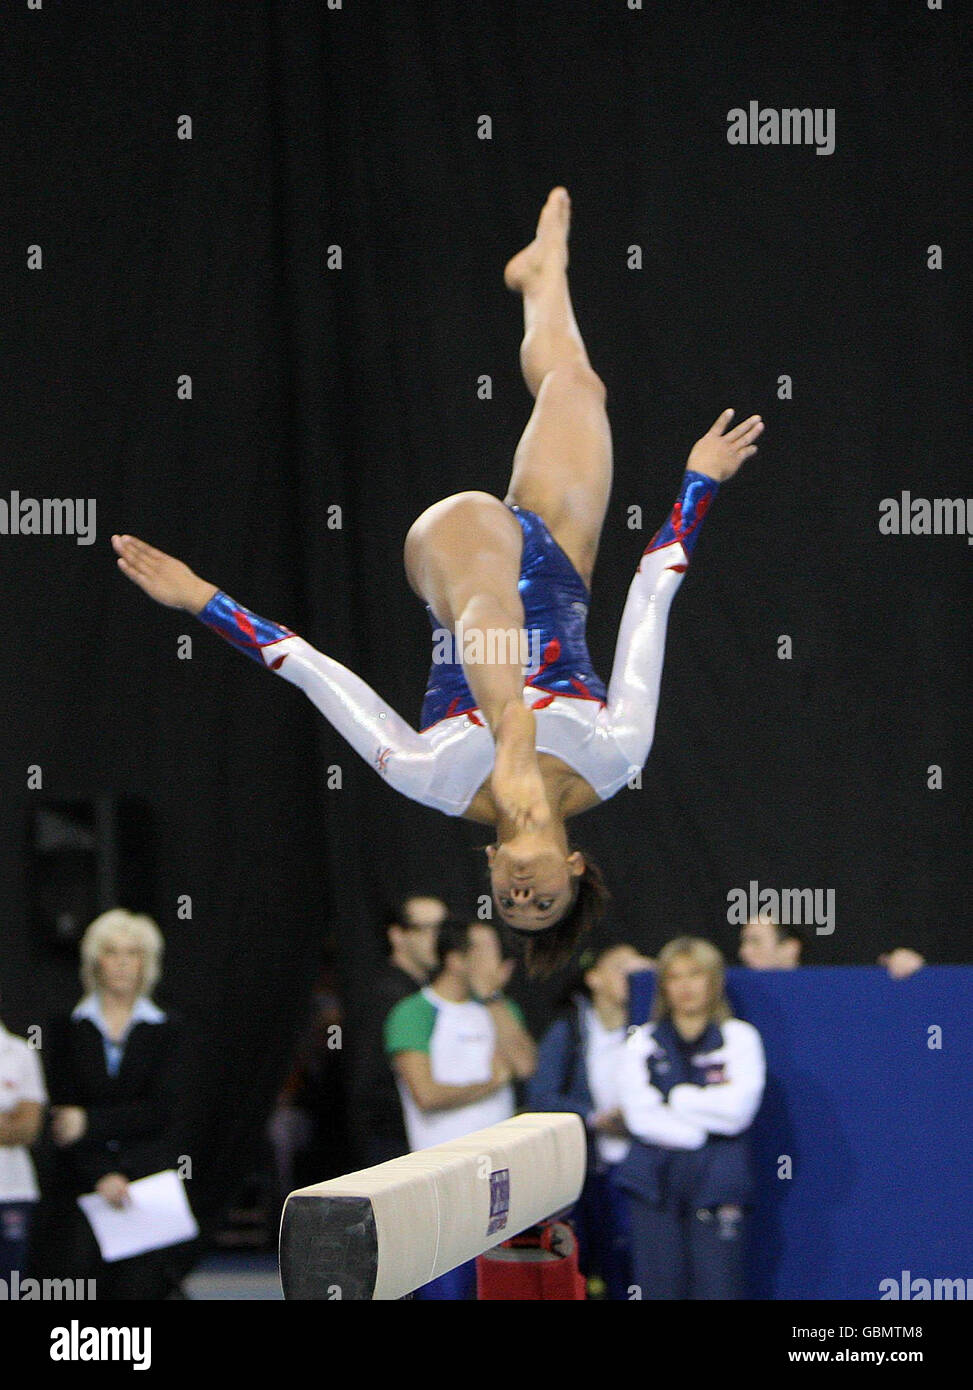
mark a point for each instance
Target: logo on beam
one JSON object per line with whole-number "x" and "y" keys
{"x": 499, "y": 1200}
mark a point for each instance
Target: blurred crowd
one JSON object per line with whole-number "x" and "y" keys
{"x": 442, "y": 1050}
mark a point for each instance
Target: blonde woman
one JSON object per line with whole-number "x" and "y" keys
{"x": 111, "y": 1073}
{"x": 691, "y": 1082}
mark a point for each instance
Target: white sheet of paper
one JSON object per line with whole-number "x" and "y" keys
{"x": 157, "y": 1215}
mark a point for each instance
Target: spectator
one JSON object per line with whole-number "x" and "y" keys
{"x": 766, "y": 944}
{"x": 308, "y": 1127}
{"x": 691, "y": 1081}
{"x": 409, "y": 935}
{"x": 577, "y": 1069}
{"x": 111, "y": 1073}
{"x": 490, "y": 967}
{"x": 456, "y": 1055}
{"x": 22, "y": 1101}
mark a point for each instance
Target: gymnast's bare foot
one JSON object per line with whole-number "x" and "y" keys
{"x": 161, "y": 576}
{"x": 549, "y": 247}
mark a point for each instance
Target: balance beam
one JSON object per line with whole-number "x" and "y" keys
{"x": 382, "y": 1232}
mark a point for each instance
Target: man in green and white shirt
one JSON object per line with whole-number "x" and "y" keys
{"x": 457, "y": 1045}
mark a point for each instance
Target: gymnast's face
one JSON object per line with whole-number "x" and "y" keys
{"x": 533, "y": 881}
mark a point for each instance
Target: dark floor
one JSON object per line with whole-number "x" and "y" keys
{"x": 235, "y": 1277}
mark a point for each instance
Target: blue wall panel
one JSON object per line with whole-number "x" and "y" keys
{"x": 877, "y": 1124}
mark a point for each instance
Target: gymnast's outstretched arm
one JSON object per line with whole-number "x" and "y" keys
{"x": 372, "y": 727}
{"x": 633, "y": 690}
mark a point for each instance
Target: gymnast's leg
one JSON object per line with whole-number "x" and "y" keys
{"x": 463, "y": 554}
{"x": 563, "y": 464}
{"x": 462, "y": 557}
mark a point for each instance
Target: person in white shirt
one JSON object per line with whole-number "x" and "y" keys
{"x": 456, "y": 1047}
{"x": 578, "y": 1066}
{"x": 23, "y": 1097}
{"x": 690, "y": 1083}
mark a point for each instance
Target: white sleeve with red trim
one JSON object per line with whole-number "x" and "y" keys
{"x": 633, "y": 690}
{"x": 441, "y": 771}
{"x": 442, "y": 768}
{"x": 381, "y": 736}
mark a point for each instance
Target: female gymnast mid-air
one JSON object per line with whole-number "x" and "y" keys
{"x": 522, "y": 743}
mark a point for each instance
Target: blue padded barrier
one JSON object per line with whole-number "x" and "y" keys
{"x": 877, "y": 1123}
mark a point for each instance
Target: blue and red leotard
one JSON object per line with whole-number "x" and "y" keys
{"x": 604, "y": 734}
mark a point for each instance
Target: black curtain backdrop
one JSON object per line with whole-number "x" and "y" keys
{"x": 316, "y": 387}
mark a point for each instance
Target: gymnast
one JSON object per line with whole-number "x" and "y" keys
{"x": 519, "y": 745}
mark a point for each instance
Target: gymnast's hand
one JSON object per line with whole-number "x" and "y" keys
{"x": 162, "y": 577}
{"x": 521, "y": 797}
{"x": 719, "y": 455}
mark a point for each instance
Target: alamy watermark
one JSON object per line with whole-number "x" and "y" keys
{"x": 906, "y": 515}
{"x": 487, "y": 646}
{"x": 791, "y": 125}
{"x": 798, "y": 907}
{"x": 912, "y": 1289}
{"x": 48, "y": 516}
{"x": 77, "y": 1343}
{"x": 17, "y": 1290}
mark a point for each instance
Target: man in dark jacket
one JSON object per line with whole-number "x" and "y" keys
{"x": 410, "y": 930}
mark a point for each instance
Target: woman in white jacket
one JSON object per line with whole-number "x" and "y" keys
{"x": 692, "y": 1080}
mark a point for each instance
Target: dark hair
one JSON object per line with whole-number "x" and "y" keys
{"x": 454, "y": 935}
{"x": 782, "y": 931}
{"x": 507, "y": 951}
{"x": 396, "y": 914}
{"x": 552, "y": 946}
{"x": 790, "y": 933}
{"x": 589, "y": 959}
